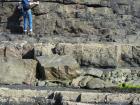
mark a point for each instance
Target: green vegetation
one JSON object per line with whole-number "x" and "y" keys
{"x": 128, "y": 86}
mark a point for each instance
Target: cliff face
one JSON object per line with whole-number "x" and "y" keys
{"x": 67, "y": 51}
{"x": 91, "y": 20}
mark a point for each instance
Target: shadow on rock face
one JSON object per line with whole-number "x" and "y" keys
{"x": 14, "y": 21}
{"x": 40, "y": 72}
{"x": 58, "y": 99}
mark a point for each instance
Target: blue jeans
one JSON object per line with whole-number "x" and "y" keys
{"x": 28, "y": 18}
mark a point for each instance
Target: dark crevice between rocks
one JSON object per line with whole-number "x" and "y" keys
{"x": 5, "y": 52}
{"x": 29, "y": 55}
{"x": 94, "y": 5}
{"x": 40, "y": 72}
{"x": 96, "y": 66}
{"x": 51, "y": 96}
{"x": 58, "y": 99}
{"x": 106, "y": 38}
{"x": 78, "y": 98}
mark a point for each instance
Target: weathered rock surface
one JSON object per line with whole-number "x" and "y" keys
{"x": 65, "y": 97}
{"x": 105, "y": 63}
{"x": 43, "y": 49}
{"x": 17, "y": 71}
{"x": 91, "y": 82}
{"x": 97, "y": 55}
{"x": 58, "y": 67}
{"x": 98, "y": 83}
{"x": 93, "y": 72}
{"x": 76, "y": 30}
{"x": 102, "y": 55}
{"x": 92, "y": 20}
{"x": 123, "y": 77}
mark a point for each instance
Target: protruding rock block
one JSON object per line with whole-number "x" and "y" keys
{"x": 96, "y": 83}
{"x": 17, "y": 71}
{"x": 58, "y": 67}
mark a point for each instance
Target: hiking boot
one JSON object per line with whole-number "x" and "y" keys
{"x": 31, "y": 33}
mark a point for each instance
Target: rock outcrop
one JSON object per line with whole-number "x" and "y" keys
{"x": 90, "y": 20}
{"x": 82, "y": 65}
{"x": 90, "y": 44}
{"x": 58, "y": 67}
{"x": 65, "y": 97}
{"x": 17, "y": 71}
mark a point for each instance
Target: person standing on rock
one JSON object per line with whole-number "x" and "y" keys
{"x": 27, "y": 15}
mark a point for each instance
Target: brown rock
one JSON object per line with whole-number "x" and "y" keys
{"x": 58, "y": 67}
{"x": 17, "y": 71}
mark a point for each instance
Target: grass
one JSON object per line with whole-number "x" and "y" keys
{"x": 128, "y": 86}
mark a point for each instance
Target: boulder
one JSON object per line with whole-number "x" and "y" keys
{"x": 84, "y": 81}
{"x": 76, "y": 81}
{"x": 17, "y": 71}
{"x": 98, "y": 83}
{"x": 93, "y": 72}
{"x": 58, "y": 67}
{"x": 91, "y": 82}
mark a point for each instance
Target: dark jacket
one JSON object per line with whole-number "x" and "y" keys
{"x": 26, "y": 4}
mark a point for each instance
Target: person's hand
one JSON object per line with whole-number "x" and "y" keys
{"x": 37, "y": 2}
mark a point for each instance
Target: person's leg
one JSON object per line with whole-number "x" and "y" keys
{"x": 30, "y": 20}
{"x": 25, "y": 22}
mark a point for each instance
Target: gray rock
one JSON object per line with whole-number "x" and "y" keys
{"x": 84, "y": 81}
{"x": 41, "y": 83}
{"x": 58, "y": 67}
{"x": 17, "y": 71}
{"x": 52, "y": 84}
{"x": 76, "y": 81}
{"x": 112, "y": 21}
{"x": 93, "y": 72}
{"x": 98, "y": 83}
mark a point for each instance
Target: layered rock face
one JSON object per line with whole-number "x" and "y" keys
{"x": 90, "y": 65}
{"x": 90, "y": 44}
{"x": 67, "y": 97}
{"x": 91, "y": 20}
